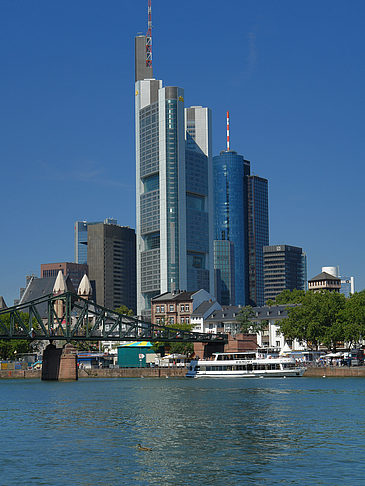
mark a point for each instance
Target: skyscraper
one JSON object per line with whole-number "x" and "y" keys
{"x": 172, "y": 187}
{"x": 81, "y": 238}
{"x": 241, "y": 217}
{"x": 258, "y": 236}
{"x": 230, "y": 214}
{"x": 285, "y": 268}
{"x": 111, "y": 260}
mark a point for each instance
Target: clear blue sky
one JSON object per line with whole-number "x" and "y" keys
{"x": 292, "y": 75}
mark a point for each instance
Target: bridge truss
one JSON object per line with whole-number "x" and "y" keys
{"x": 67, "y": 317}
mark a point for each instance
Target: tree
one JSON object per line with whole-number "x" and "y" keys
{"x": 9, "y": 348}
{"x": 123, "y": 309}
{"x": 354, "y": 318}
{"x": 247, "y": 323}
{"x": 288, "y": 297}
{"x": 319, "y": 319}
{"x": 176, "y": 348}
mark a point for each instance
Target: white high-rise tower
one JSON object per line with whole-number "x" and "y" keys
{"x": 173, "y": 183}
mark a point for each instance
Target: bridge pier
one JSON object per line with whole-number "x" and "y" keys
{"x": 59, "y": 363}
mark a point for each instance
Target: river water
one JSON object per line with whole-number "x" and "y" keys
{"x": 299, "y": 431}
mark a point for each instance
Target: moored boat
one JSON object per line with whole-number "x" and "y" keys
{"x": 244, "y": 365}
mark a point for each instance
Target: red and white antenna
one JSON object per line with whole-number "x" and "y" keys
{"x": 227, "y": 131}
{"x": 149, "y": 37}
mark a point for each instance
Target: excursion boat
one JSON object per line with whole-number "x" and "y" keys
{"x": 247, "y": 364}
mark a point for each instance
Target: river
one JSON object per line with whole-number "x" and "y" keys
{"x": 299, "y": 431}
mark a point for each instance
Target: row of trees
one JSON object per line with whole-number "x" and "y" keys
{"x": 327, "y": 318}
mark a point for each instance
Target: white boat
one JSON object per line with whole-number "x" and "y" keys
{"x": 247, "y": 364}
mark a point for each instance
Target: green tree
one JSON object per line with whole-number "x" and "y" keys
{"x": 354, "y": 318}
{"x": 318, "y": 320}
{"x": 9, "y": 348}
{"x": 288, "y": 297}
{"x": 123, "y": 309}
{"x": 247, "y": 323}
{"x": 175, "y": 348}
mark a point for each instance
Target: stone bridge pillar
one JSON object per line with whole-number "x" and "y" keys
{"x": 59, "y": 364}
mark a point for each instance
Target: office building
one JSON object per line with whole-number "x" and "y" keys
{"x": 285, "y": 268}
{"x": 258, "y": 236}
{"x": 347, "y": 286}
{"x": 75, "y": 271}
{"x": 81, "y": 238}
{"x": 224, "y": 272}
{"x": 229, "y": 169}
{"x": 173, "y": 170}
{"x": 111, "y": 256}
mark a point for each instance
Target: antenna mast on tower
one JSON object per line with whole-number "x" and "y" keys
{"x": 149, "y": 37}
{"x": 227, "y": 131}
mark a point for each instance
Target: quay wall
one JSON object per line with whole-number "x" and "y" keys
{"x": 103, "y": 373}
{"x": 335, "y": 371}
{"x": 327, "y": 371}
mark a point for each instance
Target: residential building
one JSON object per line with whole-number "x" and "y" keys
{"x": 75, "y": 271}
{"x": 111, "y": 257}
{"x": 81, "y": 238}
{"x": 285, "y": 268}
{"x": 173, "y": 174}
{"x": 176, "y": 307}
{"x": 258, "y": 236}
{"x": 324, "y": 281}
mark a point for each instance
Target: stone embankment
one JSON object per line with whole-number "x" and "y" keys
{"x": 103, "y": 373}
{"x": 328, "y": 371}
{"x": 335, "y": 371}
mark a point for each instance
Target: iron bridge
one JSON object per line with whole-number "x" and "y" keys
{"x": 71, "y": 318}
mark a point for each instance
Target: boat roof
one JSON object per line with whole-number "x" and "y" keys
{"x": 237, "y": 352}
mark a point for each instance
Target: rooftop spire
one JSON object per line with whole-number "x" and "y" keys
{"x": 149, "y": 37}
{"x": 60, "y": 284}
{"x": 227, "y": 131}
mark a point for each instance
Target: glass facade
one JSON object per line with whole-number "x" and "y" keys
{"x": 81, "y": 242}
{"x": 172, "y": 194}
{"x": 230, "y": 213}
{"x": 258, "y": 236}
{"x": 224, "y": 272}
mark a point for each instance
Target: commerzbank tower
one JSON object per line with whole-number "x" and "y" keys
{"x": 174, "y": 180}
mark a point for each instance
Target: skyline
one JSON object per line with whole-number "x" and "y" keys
{"x": 68, "y": 119}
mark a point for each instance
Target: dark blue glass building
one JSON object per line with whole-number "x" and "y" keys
{"x": 230, "y": 189}
{"x": 258, "y": 236}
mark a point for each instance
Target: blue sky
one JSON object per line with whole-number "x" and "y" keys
{"x": 292, "y": 75}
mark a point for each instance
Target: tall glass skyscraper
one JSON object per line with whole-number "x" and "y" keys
{"x": 230, "y": 213}
{"x": 173, "y": 170}
{"x": 258, "y": 236}
{"x": 241, "y": 217}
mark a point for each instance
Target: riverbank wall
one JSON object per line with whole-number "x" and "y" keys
{"x": 326, "y": 371}
{"x": 335, "y": 371}
{"x": 103, "y": 373}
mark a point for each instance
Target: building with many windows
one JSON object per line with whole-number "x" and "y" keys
{"x": 258, "y": 236}
{"x": 285, "y": 268}
{"x": 81, "y": 238}
{"x": 75, "y": 271}
{"x": 230, "y": 223}
{"x": 111, "y": 258}
{"x": 224, "y": 272}
{"x": 176, "y": 307}
{"x": 173, "y": 174}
